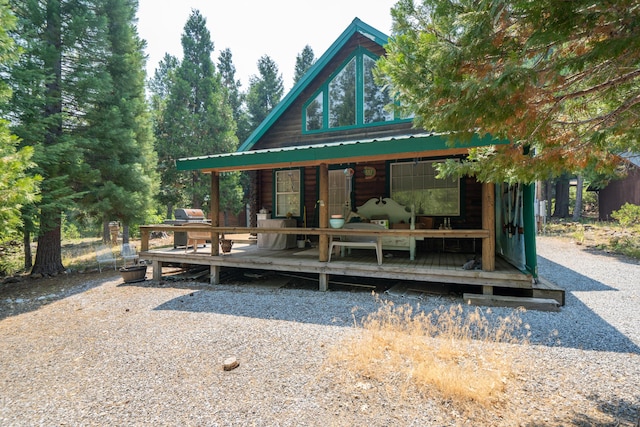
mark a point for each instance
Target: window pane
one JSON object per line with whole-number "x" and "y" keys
{"x": 342, "y": 97}
{"x": 375, "y": 97}
{"x": 415, "y": 183}
{"x": 314, "y": 114}
{"x": 287, "y": 193}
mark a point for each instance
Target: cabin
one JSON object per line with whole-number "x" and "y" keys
{"x": 335, "y": 165}
{"x": 622, "y": 190}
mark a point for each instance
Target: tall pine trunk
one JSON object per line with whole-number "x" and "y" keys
{"x": 49, "y": 252}
{"x": 562, "y": 197}
{"x": 577, "y": 210}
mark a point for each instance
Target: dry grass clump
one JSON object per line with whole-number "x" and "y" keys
{"x": 459, "y": 355}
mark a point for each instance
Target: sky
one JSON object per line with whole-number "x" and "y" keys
{"x": 253, "y": 28}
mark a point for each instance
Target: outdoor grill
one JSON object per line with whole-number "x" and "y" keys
{"x": 184, "y": 217}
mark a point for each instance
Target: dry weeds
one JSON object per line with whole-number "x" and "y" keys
{"x": 463, "y": 356}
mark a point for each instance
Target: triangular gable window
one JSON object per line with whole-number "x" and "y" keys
{"x": 350, "y": 98}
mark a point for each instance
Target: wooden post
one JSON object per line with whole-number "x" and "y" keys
{"x": 489, "y": 223}
{"x": 157, "y": 270}
{"x": 214, "y": 274}
{"x": 323, "y": 203}
{"x": 144, "y": 240}
{"x": 215, "y": 212}
{"x": 323, "y": 282}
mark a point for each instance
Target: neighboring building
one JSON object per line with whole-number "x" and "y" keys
{"x": 621, "y": 191}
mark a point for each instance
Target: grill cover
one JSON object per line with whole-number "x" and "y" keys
{"x": 189, "y": 214}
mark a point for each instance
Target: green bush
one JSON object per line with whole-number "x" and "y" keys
{"x": 627, "y": 215}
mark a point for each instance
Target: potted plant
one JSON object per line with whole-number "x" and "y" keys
{"x": 134, "y": 273}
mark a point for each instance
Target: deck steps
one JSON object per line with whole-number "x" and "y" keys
{"x": 543, "y": 288}
{"x": 540, "y": 304}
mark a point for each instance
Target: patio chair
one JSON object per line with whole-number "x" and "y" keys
{"x": 128, "y": 252}
{"x": 104, "y": 255}
{"x": 197, "y": 237}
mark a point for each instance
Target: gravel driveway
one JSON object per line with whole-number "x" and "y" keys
{"x": 108, "y": 353}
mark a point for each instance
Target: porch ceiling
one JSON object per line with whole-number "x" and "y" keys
{"x": 398, "y": 147}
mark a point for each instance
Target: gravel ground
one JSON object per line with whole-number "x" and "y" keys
{"x": 108, "y": 353}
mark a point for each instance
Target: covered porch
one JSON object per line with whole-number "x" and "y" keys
{"x": 428, "y": 265}
{"x": 435, "y": 267}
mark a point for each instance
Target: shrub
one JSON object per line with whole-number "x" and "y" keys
{"x": 627, "y": 215}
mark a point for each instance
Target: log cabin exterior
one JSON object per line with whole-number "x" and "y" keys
{"x": 329, "y": 147}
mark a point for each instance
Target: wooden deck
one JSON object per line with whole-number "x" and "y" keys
{"x": 434, "y": 267}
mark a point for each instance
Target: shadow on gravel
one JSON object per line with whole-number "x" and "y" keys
{"x": 577, "y": 325}
{"x": 31, "y": 295}
{"x": 624, "y": 413}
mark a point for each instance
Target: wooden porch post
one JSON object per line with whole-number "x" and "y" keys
{"x": 323, "y": 203}
{"x": 215, "y": 212}
{"x": 489, "y": 223}
{"x": 323, "y": 244}
{"x": 214, "y": 271}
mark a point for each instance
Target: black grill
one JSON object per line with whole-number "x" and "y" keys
{"x": 182, "y": 217}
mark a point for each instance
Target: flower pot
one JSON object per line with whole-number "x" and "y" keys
{"x": 225, "y": 245}
{"x": 134, "y": 273}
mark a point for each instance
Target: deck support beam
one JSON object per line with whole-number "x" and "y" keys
{"x": 157, "y": 270}
{"x": 489, "y": 223}
{"x": 323, "y": 203}
{"x": 323, "y": 281}
{"x": 214, "y": 275}
{"x": 215, "y": 212}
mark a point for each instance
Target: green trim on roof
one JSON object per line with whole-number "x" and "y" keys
{"x": 393, "y": 147}
{"x": 356, "y": 26}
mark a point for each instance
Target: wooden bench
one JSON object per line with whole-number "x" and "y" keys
{"x": 347, "y": 242}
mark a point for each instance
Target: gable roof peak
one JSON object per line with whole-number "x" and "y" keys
{"x": 356, "y": 26}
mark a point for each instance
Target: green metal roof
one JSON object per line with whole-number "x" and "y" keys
{"x": 397, "y": 147}
{"x": 356, "y": 26}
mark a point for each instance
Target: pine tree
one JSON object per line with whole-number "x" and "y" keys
{"x": 235, "y": 97}
{"x": 160, "y": 86}
{"x": 304, "y": 61}
{"x": 196, "y": 119}
{"x": 558, "y": 79}
{"x": 17, "y": 186}
{"x": 265, "y": 91}
{"x": 48, "y": 105}
{"x": 118, "y": 144}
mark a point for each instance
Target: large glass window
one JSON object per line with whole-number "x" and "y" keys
{"x": 415, "y": 183}
{"x": 375, "y": 97}
{"x": 350, "y": 97}
{"x": 287, "y": 193}
{"x": 314, "y": 113}
{"x": 342, "y": 97}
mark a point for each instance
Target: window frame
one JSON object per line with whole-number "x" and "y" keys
{"x": 299, "y": 193}
{"x": 323, "y": 91}
{"x": 458, "y": 189}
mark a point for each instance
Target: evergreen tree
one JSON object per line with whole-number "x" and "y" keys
{"x": 54, "y": 82}
{"x": 558, "y": 79}
{"x": 304, "y": 61}
{"x": 118, "y": 148}
{"x": 197, "y": 120}
{"x": 160, "y": 86}
{"x": 235, "y": 98}
{"x": 265, "y": 91}
{"x": 17, "y": 186}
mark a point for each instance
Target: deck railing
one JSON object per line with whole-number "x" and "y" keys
{"x": 323, "y": 233}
